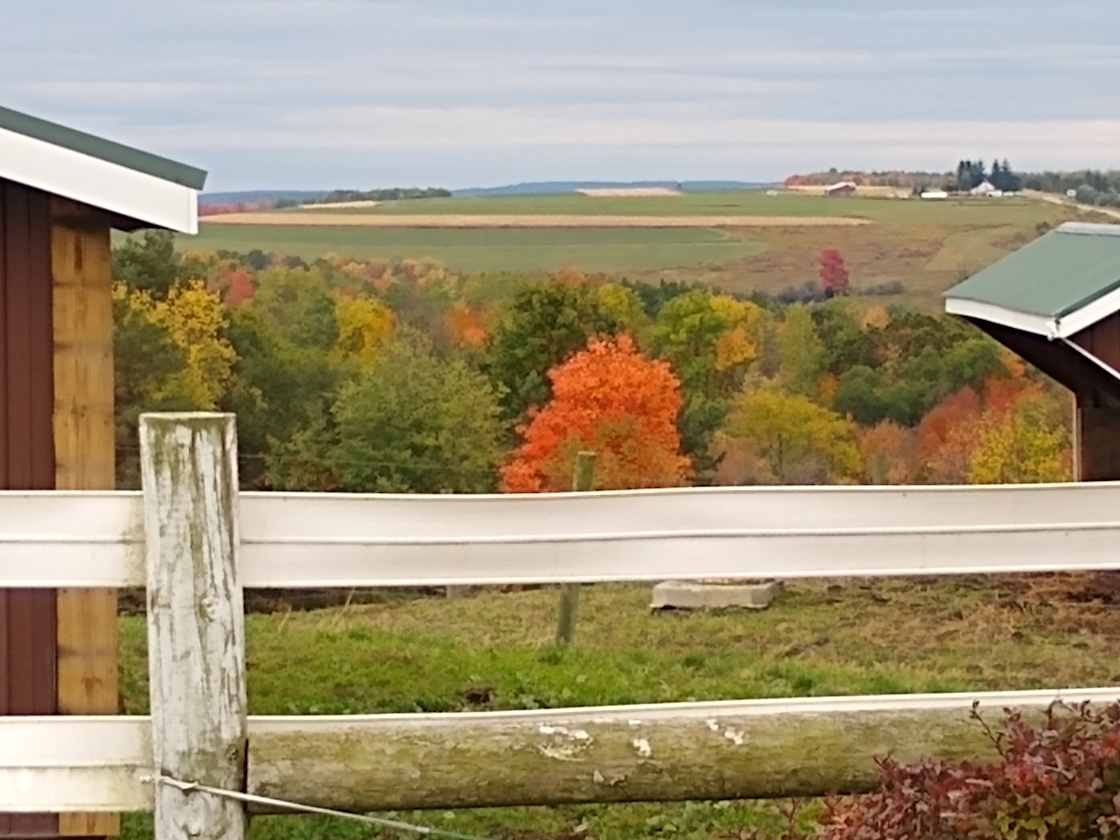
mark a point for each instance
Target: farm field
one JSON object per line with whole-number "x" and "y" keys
{"x": 925, "y": 246}
{"x": 624, "y": 250}
{"x": 493, "y": 651}
{"x": 739, "y": 203}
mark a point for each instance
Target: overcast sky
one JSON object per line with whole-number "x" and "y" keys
{"x": 302, "y": 94}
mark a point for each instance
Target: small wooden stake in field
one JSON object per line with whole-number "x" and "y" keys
{"x": 583, "y": 481}
{"x": 196, "y": 624}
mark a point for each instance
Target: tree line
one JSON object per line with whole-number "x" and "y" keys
{"x": 403, "y": 376}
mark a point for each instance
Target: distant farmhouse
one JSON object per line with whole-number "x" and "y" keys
{"x": 987, "y": 190}
{"x": 840, "y": 188}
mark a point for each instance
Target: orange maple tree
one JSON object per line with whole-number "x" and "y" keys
{"x": 467, "y": 326}
{"x": 612, "y": 400}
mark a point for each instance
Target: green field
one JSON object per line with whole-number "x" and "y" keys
{"x": 926, "y": 246}
{"x": 493, "y": 651}
{"x": 498, "y": 249}
{"x": 740, "y": 203}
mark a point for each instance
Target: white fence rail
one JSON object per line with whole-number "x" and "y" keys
{"x": 202, "y": 533}
{"x": 321, "y": 540}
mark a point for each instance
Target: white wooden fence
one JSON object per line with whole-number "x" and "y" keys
{"x": 195, "y": 542}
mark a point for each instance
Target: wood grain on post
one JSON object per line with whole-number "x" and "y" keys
{"x": 82, "y": 304}
{"x": 583, "y": 481}
{"x": 638, "y": 754}
{"x": 196, "y": 621}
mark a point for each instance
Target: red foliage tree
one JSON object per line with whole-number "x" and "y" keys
{"x": 240, "y": 288}
{"x": 610, "y": 399}
{"x": 947, "y": 436}
{"x": 833, "y": 272}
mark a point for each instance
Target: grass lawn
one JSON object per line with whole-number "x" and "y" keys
{"x": 493, "y": 651}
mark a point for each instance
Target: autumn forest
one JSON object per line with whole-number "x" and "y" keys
{"x": 402, "y": 376}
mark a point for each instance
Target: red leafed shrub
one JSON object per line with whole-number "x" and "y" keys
{"x": 1058, "y": 781}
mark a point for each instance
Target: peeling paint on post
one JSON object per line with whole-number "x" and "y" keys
{"x": 196, "y": 623}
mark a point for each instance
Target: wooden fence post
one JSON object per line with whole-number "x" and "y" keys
{"x": 196, "y": 621}
{"x": 582, "y": 481}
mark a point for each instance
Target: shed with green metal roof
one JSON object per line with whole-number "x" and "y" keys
{"x": 1056, "y": 303}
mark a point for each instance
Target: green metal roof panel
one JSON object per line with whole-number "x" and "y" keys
{"x": 1055, "y": 275}
{"x": 107, "y": 150}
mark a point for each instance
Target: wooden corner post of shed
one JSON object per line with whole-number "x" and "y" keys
{"x": 84, "y": 452}
{"x": 196, "y": 623}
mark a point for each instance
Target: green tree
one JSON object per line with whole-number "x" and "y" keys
{"x": 416, "y": 423}
{"x": 801, "y": 351}
{"x": 860, "y": 395}
{"x": 797, "y": 440}
{"x": 148, "y": 262}
{"x": 285, "y": 375}
{"x": 711, "y": 341}
{"x": 846, "y": 344}
{"x": 542, "y": 327}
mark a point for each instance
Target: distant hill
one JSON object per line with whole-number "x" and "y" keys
{"x": 553, "y": 187}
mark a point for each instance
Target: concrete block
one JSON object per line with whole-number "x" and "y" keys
{"x": 682, "y": 595}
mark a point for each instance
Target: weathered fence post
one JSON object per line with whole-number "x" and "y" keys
{"x": 196, "y": 621}
{"x": 582, "y": 481}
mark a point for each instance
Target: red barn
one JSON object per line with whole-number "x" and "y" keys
{"x": 61, "y": 193}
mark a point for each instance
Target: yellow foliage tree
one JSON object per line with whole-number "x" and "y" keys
{"x": 801, "y": 351}
{"x": 798, "y": 441}
{"x": 196, "y": 321}
{"x": 365, "y": 327}
{"x": 623, "y": 305}
{"x": 1024, "y": 446}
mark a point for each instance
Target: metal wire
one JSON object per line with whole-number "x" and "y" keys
{"x": 252, "y": 799}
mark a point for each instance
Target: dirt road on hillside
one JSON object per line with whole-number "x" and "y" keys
{"x": 1066, "y": 202}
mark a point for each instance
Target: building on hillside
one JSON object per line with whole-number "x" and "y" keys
{"x": 841, "y": 188}
{"x": 61, "y": 193}
{"x": 984, "y": 189}
{"x": 1056, "y": 303}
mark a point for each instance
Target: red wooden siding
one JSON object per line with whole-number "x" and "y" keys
{"x": 1103, "y": 340}
{"x": 27, "y": 617}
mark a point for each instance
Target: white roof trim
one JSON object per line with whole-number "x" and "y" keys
{"x": 100, "y": 183}
{"x": 1089, "y": 229}
{"x": 1037, "y": 324}
{"x": 1089, "y": 314}
{"x": 1051, "y": 328}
